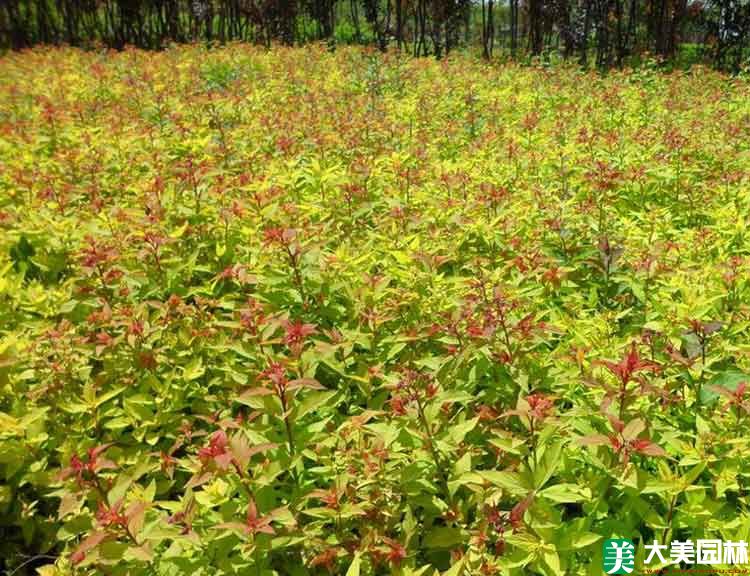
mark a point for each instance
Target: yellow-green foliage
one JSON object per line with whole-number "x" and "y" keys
{"x": 295, "y": 311}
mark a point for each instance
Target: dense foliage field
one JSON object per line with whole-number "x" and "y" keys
{"x": 300, "y": 312}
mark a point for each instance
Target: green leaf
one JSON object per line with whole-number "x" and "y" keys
{"x": 354, "y": 567}
{"x": 109, "y": 395}
{"x": 656, "y": 486}
{"x": 585, "y": 539}
{"x": 552, "y": 560}
{"x": 313, "y": 401}
{"x": 633, "y": 429}
{"x": 513, "y": 482}
{"x": 728, "y": 380}
{"x": 194, "y": 369}
{"x": 565, "y": 493}
{"x": 459, "y": 431}
{"x": 442, "y": 537}
{"x": 457, "y": 569}
{"x": 139, "y": 407}
{"x": 689, "y": 477}
{"x": 548, "y": 464}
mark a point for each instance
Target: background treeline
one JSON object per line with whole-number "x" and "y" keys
{"x": 604, "y": 33}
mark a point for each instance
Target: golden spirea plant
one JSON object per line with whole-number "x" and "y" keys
{"x": 307, "y": 312}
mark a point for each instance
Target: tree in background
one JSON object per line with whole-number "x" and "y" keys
{"x": 604, "y": 33}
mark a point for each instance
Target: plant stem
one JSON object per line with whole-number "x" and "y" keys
{"x": 287, "y": 423}
{"x": 433, "y": 449}
{"x": 672, "y": 505}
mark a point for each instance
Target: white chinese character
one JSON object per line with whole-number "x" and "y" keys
{"x": 735, "y": 552}
{"x": 623, "y": 560}
{"x": 656, "y": 549}
{"x": 709, "y": 551}
{"x": 682, "y": 552}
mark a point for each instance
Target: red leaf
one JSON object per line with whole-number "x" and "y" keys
{"x": 198, "y": 479}
{"x": 593, "y": 440}
{"x": 721, "y": 391}
{"x": 223, "y": 460}
{"x": 617, "y": 424}
{"x": 648, "y": 448}
{"x": 305, "y": 383}
{"x": 94, "y": 452}
{"x": 252, "y": 511}
{"x": 236, "y": 526}
{"x": 91, "y": 542}
{"x": 258, "y": 391}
